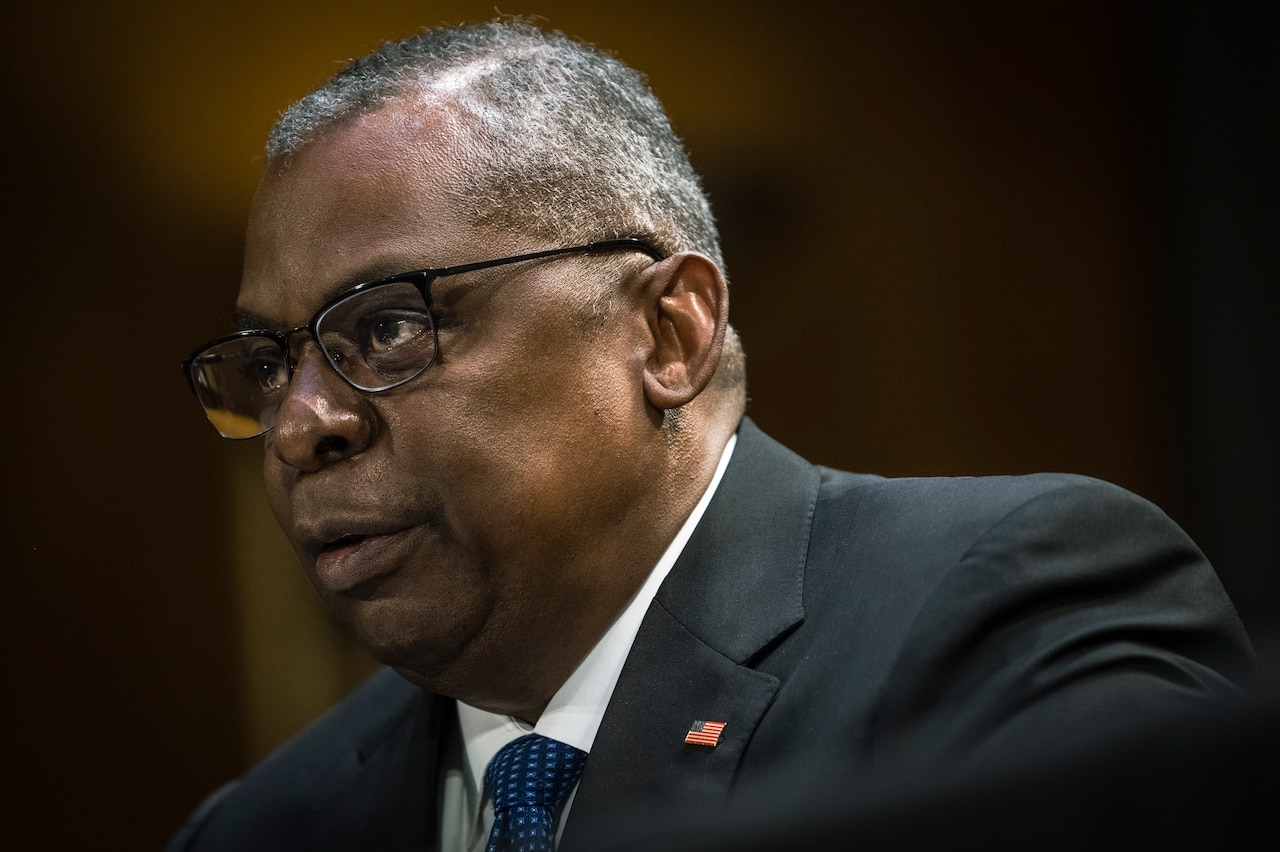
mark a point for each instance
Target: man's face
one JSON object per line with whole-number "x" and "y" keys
{"x": 465, "y": 525}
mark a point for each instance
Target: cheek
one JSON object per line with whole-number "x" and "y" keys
{"x": 276, "y": 481}
{"x": 528, "y": 424}
{"x": 519, "y": 429}
{"x": 532, "y": 462}
{"x": 273, "y": 481}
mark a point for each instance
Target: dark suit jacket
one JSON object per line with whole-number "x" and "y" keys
{"x": 855, "y": 634}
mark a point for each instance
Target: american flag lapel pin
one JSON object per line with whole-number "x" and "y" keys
{"x": 704, "y": 733}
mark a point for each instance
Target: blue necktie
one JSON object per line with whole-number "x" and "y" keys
{"x": 529, "y": 780}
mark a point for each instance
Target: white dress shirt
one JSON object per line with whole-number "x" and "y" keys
{"x": 572, "y": 716}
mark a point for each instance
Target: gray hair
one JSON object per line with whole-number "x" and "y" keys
{"x": 574, "y": 145}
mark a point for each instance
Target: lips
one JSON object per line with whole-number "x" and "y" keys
{"x": 350, "y": 563}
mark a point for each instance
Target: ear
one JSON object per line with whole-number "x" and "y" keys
{"x": 687, "y": 308}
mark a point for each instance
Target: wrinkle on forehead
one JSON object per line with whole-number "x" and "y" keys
{"x": 411, "y": 148}
{"x": 380, "y": 194}
{"x": 424, "y": 131}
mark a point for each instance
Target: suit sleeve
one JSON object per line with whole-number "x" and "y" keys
{"x": 1081, "y": 616}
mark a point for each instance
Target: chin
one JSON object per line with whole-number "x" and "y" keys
{"x": 422, "y": 644}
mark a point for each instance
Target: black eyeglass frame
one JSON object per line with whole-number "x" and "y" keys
{"x": 420, "y": 278}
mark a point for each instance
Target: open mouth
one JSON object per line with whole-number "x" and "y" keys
{"x": 343, "y": 543}
{"x": 354, "y": 564}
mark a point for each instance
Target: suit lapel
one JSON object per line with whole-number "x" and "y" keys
{"x": 735, "y": 590}
{"x": 389, "y": 801}
{"x": 739, "y": 582}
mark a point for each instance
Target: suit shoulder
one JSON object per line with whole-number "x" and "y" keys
{"x": 982, "y": 494}
{"x": 940, "y": 550}
{"x": 355, "y": 725}
{"x": 1008, "y": 614}
{"x": 273, "y": 804}
{"x": 951, "y": 512}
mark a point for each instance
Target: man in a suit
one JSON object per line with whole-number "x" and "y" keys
{"x": 483, "y": 333}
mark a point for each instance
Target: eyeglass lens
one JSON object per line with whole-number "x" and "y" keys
{"x": 376, "y": 339}
{"x": 240, "y": 383}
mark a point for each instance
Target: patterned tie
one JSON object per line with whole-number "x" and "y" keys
{"x": 529, "y": 780}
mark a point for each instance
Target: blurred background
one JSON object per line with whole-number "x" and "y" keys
{"x": 990, "y": 237}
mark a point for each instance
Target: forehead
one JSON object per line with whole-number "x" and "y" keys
{"x": 375, "y": 196}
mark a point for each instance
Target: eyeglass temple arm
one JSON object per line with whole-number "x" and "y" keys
{"x": 626, "y": 243}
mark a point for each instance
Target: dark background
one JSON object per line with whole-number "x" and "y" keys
{"x": 962, "y": 239}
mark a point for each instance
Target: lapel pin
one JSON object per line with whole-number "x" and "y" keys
{"x": 704, "y": 733}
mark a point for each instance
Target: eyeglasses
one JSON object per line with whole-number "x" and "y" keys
{"x": 377, "y": 336}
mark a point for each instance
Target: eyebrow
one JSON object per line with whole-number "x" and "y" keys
{"x": 243, "y": 320}
{"x": 246, "y": 320}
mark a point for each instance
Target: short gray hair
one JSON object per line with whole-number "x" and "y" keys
{"x": 574, "y": 145}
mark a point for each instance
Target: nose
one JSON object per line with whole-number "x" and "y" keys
{"x": 322, "y": 419}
